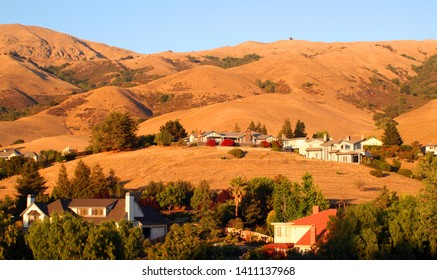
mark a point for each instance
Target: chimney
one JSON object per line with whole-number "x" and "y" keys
{"x": 325, "y": 137}
{"x": 130, "y": 206}
{"x": 348, "y": 138}
{"x": 30, "y": 199}
{"x": 362, "y": 137}
{"x": 313, "y": 235}
{"x": 248, "y": 137}
{"x": 316, "y": 209}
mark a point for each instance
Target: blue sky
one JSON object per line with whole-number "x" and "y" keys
{"x": 150, "y": 26}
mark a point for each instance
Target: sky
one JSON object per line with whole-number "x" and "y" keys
{"x": 150, "y": 26}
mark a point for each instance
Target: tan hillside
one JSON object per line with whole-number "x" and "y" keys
{"x": 271, "y": 110}
{"x": 46, "y": 47}
{"x": 203, "y": 81}
{"x": 73, "y": 116}
{"x": 419, "y": 124}
{"x": 137, "y": 168}
{"x": 23, "y": 84}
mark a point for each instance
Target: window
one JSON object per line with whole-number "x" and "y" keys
{"x": 82, "y": 211}
{"x": 278, "y": 231}
{"x": 96, "y": 212}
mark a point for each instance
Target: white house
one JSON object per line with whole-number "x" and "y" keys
{"x": 431, "y": 148}
{"x": 9, "y": 153}
{"x": 371, "y": 141}
{"x": 153, "y": 225}
{"x": 302, "y": 233}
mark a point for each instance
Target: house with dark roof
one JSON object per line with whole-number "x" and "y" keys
{"x": 153, "y": 225}
{"x": 9, "y": 153}
{"x": 302, "y": 233}
{"x": 248, "y": 137}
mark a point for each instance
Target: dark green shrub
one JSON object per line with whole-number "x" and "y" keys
{"x": 406, "y": 172}
{"x": 18, "y": 141}
{"x": 384, "y": 166}
{"x": 377, "y": 173}
{"x": 236, "y": 152}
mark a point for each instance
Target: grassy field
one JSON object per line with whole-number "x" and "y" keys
{"x": 338, "y": 181}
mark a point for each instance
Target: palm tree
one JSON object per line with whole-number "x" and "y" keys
{"x": 237, "y": 191}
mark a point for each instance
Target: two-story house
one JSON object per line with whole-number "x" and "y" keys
{"x": 153, "y": 225}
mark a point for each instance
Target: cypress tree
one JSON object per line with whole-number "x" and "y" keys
{"x": 391, "y": 135}
{"x": 299, "y": 130}
{"x": 31, "y": 182}
{"x": 63, "y": 188}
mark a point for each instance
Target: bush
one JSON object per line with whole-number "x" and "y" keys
{"x": 19, "y": 141}
{"x": 406, "y": 172}
{"x": 211, "y": 143}
{"x": 377, "y": 173}
{"x": 384, "y": 166}
{"x": 228, "y": 143}
{"x": 238, "y": 153}
{"x": 265, "y": 144}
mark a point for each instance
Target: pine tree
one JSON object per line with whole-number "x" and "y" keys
{"x": 286, "y": 130}
{"x": 299, "y": 130}
{"x": 252, "y": 126}
{"x": 81, "y": 180}
{"x": 114, "y": 186}
{"x": 264, "y": 129}
{"x": 391, "y": 135}
{"x": 258, "y": 127}
{"x": 237, "y": 128}
{"x": 115, "y": 132}
{"x": 31, "y": 182}
{"x": 63, "y": 188}
{"x": 98, "y": 187}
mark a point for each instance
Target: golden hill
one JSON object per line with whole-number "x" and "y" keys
{"x": 76, "y": 115}
{"x": 23, "y": 84}
{"x": 46, "y": 47}
{"x": 271, "y": 110}
{"x": 137, "y": 168}
{"x": 419, "y": 124}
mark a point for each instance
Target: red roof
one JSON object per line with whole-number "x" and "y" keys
{"x": 319, "y": 220}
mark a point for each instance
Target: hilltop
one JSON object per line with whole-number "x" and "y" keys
{"x": 330, "y": 86}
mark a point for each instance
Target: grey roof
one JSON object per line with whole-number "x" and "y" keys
{"x": 151, "y": 216}
{"x": 5, "y": 153}
{"x": 105, "y": 202}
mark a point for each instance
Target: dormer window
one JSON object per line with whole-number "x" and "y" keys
{"x": 96, "y": 212}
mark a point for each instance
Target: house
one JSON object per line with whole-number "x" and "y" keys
{"x": 242, "y": 138}
{"x": 302, "y": 233}
{"x": 350, "y": 150}
{"x": 31, "y": 155}
{"x": 293, "y": 143}
{"x": 371, "y": 141}
{"x": 153, "y": 225}
{"x": 312, "y": 148}
{"x": 431, "y": 148}
{"x": 9, "y": 153}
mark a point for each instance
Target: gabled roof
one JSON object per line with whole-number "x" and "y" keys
{"x": 150, "y": 217}
{"x": 353, "y": 140}
{"x": 329, "y": 143}
{"x": 319, "y": 220}
{"x": 5, "y": 153}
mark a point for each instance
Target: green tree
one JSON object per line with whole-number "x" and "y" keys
{"x": 285, "y": 200}
{"x": 202, "y": 203}
{"x": 175, "y": 195}
{"x": 115, "y": 132}
{"x": 63, "y": 188}
{"x": 81, "y": 181}
{"x": 237, "y": 191}
{"x": 252, "y": 126}
{"x": 30, "y": 182}
{"x": 299, "y": 130}
{"x": 311, "y": 196}
{"x": 237, "y": 128}
{"x": 175, "y": 129}
{"x": 258, "y": 200}
{"x": 114, "y": 186}
{"x": 132, "y": 240}
{"x": 286, "y": 130}
{"x": 163, "y": 138}
{"x": 391, "y": 135}
{"x": 98, "y": 187}
{"x": 321, "y": 134}
{"x": 264, "y": 129}
{"x": 11, "y": 238}
{"x": 181, "y": 243}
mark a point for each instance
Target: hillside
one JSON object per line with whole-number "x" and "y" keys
{"x": 22, "y": 84}
{"x": 46, "y": 47}
{"x": 137, "y": 168}
{"x": 73, "y": 116}
{"x": 419, "y": 124}
{"x": 271, "y": 110}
